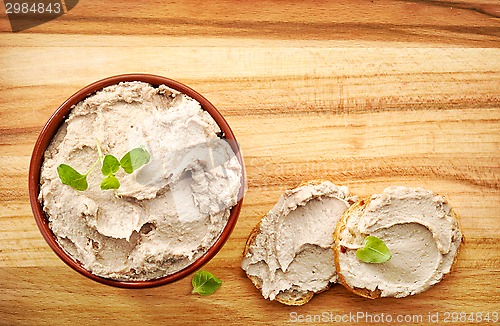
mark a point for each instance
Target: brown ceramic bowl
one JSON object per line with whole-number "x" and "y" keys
{"x": 51, "y": 128}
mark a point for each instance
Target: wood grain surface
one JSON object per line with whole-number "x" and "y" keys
{"x": 363, "y": 93}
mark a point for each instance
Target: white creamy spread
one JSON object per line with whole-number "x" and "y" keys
{"x": 293, "y": 250}
{"x": 420, "y": 231}
{"x": 166, "y": 214}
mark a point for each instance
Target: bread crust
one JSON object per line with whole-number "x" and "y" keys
{"x": 337, "y": 250}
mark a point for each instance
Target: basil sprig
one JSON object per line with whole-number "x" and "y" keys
{"x": 131, "y": 161}
{"x": 205, "y": 283}
{"x": 374, "y": 251}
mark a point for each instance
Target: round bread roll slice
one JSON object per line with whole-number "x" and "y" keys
{"x": 289, "y": 254}
{"x": 418, "y": 227}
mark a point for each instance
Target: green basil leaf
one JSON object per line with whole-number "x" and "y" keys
{"x": 374, "y": 251}
{"x": 110, "y": 182}
{"x": 134, "y": 159}
{"x": 72, "y": 178}
{"x": 110, "y": 165}
{"x": 205, "y": 283}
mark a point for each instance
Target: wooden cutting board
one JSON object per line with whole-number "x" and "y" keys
{"x": 366, "y": 94}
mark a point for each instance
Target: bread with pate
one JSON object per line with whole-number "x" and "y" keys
{"x": 289, "y": 254}
{"x": 419, "y": 228}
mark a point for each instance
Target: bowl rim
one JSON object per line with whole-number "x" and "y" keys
{"x": 52, "y": 126}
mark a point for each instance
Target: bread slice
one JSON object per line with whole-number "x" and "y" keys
{"x": 418, "y": 227}
{"x": 292, "y": 278}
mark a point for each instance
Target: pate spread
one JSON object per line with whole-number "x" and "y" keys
{"x": 293, "y": 248}
{"x": 419, "y": 229}
{"x": 166, "y": 214}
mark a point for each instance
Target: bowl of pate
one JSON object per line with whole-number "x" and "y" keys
{"x": 161, "y": 221}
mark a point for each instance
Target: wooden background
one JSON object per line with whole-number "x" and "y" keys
{"x": 363, "y": 93}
